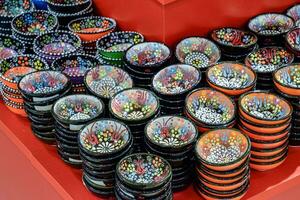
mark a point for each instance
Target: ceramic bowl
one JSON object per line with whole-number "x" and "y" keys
{"x": 294, "y": 12}
{"x": 16, "y": 108}
{"x": 292, "y": 41}
{"x": 10, "y": 47}
{"x": 11, "y": 96}
{"x": 287, "y": 80}
{"x": 105, "y": 81}
{"x": 269, "y": 152}
{"x": 11, "y": 8}
{"x": 131, "y": 171}
{"x": 262, "y": 107}
{"x": 259, "y": 144}
{"x": 234, "y": 144}
{"x": 68, "y": 6}
{"x": 210, "y": 107}
{"x": 133, "y": 105}
{"x": 198, "y": 52}
{"x": 261, "y": 159}
{"x": 260, "y": 166}
{"x": 231, "y": 78}
{"x": 92, "y": 28}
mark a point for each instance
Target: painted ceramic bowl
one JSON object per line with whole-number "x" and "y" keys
{"x": 264, "y": 166}
{"x": 269, "y": 152}
{"x": 16, "y": 108}
{"x": 144, "y": 171}
{"x": 77, "y": 109}
{"x": 231, "y": 78}
{"x": 271, "y": 144}
{"x": 134, "y": 105}
{"x": 115, "y": 44}
{"x": 223, "y": 149}
{"x": 11, "y": 8}
{"x": 292, "y": 41}
{"x": 294, "y": 12}
{"x": 10, "y": 47}
{"x": 105, "y": 81}
{"x": 210, "y": 107}
{"x": 198, "y": 52}
{"x": 268, "y": 59}
{"x": 68, "y": 6}
{"x": 265, "y": 108}
{"x": 287, "y": 79}
{"x": 92, "y": 28}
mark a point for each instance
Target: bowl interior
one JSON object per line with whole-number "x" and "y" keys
{"x": 171, "y": 131}
{"x": 106, "y": 80}
{"x": 293, "y": 39}
{"x": 14, "y": 7}
{"x": 294, "y": 12}
{"x": 234, "y": 37}
{"x": 104, "y": 136}
{"x": 92, "y": 24}
{"x": 222, "y": 146}
{"x": 176, "y": 79}
{"x": 231, "y": 75}
{"x": 148, "y": 54}
{"x": 265, "y": 106}
{"x": 271, "y": 24}
{"x": 210, "y": 106}
{"x": 268, "y": 59}
{"x": 289, "y": 76}
{"x": 134, "y": 104}
{"x": 198, "y": 52}
{"x": 10, "y": 47}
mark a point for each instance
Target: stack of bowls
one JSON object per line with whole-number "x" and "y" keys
{"x": 102, "y": 144}
{"x": 54, "y": 45}
{"x": 112, "y": 48}
{"x": 231, "y": 78}
{"x": 143, "y": 176}
{"x": 210, "y": 109}
{"x": 294, "y": 12}
{"x": 68, "y": 10}
{"x": 222, "y": 158}
{"x": 265, "y": 61}
{"x": 266, "y": 119}
{"x": 135, "y": 107}
{"x": 27, "y": 26}
{"x": 90, "y": 29}
{"x": 75, "y": 67}
{"x": 172, "y": 84}
{"x": 71, "y": 113}
{"x": 40, "y": 90}
{"x": 143, "y": 60}
{"x": 10, "y": 47}
{"x": 235, "y": 44}
{"x": 11, "y": 71}
{"x": 271, "y": 28}
{"x": 292, "y": 42}
{"x": 173, "y": 138}
{"x": 287, "y": 83}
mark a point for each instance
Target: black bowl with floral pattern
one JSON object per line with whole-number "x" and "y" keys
{"x": 292, "y": 41}
{"x": 10, "y": 47}
{"x": 294, "y": 12}
{"x": 11, "y": 8}
{"x": 68, "y": 6}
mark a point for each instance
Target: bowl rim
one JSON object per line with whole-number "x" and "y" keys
{"x": 245, "y": 154}
{"x": 264, "y": 134}
{"x": 194, "y": 139}
{"x": 273, "y": 156}
{"x": 31, "y": 8}
{"x": 272, "y": 162}
{"x": 22, "y": 51}
{"x": 67, "y": 5}
{"x": 283, "y": 146}
{"x": 287, "y": 35}
{"x": 250, "y": 85}
{"x": 267, "y": 93}
{"x": 282, "y": 68}
{"x": 84, "y": 11}
{"x": 169, "y": 67}
{"x": 290, "y": 8}
{"x": 270, "y": 141}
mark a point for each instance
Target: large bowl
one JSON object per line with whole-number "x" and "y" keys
{"x": 11, "y": 8}
{"x": 10, "y": 47}
{"x": 292, "y": 39}
{"x": 68, "y": 6}
{"x": 294, "y": 12}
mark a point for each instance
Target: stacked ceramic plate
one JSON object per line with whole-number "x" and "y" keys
{"x": 265, "y": 61}
{"x": 266, "y": 119}
{"x": 172, "y": 84}
{"x": 231, "y": 78}
{"x": 27, "y": 26}
{"x": 71, "y": 113}
{"x": 210, "y": 109}
{"x": 222, "y": 158}
{"x": 135, "y": 107}
{"x": 143, "y": 60}
{"x": 102, "y": 144}
{"x": 235, "y": 44}
{"x": 173, "y": 138}
{"x": 143, "y": 176}
{"x": 11, "y": 71}
{"x": 287, "y": 83}
{"x": 40, "y": 90}
{"x": 112, "y": 48}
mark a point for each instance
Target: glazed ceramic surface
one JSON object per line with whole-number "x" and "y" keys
{"x": 294, "y": 12}
{"x": 10, "y": 47}
{"x": 293, "y": 39}
{"x": 11, "y": 8}
{"x": 289, "y": 76}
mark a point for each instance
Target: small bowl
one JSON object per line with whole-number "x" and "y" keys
{"x": 259, "y": 166}
{"x": 231, "y": 78}
{"x": 292, "y": 41}
{"x": 269, "y": 152}
{"x": 16, "y": 108}
{"x": 294, "y": 12}
{"x": 105, "y": 81}
{"x": 269, "y": 158}
{"x": 224, "y": 139}
{"x": 198, "y": 52}
{"x": 131, "y": 171}
{"x": 10, "y": 47}
{"x": 10, "y": 9}
{"x": 271, "y": 144}
{"x": 134, "y": 105}
{"x": 92, "y": 28}
{"x": 67, "y": 6}
{"x": 274, "y": 109}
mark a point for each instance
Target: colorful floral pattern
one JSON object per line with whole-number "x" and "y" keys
{"x": 294, "y": 12}
{"x": 293, "y": 39}
{"x": 10, "y": 47}
{"x": 176, "y": 79}
{"x": 92, "y": 24}
{"x": 13, "y": 8}
{"x": 289, "y": 76}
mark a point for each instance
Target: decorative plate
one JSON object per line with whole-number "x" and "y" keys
{"x": 293, "y": 39}
{"x": 294, "y": 12}
{"x": 105, "y": 80}
{"x": 210, "y": 106}
{"x": 289, "y": 76}
{"x": 11, "y": 8}
{"x": 10, "y": 47}
{"x": 198, "y": 52}
{"x": 268, "y": 59}
{"x": 176, "y": 79}
{"x": 134, "y": 104}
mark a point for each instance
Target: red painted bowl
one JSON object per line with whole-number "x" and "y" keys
{"x": 268, "y": 152}
{"x": 267, "y": 165}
